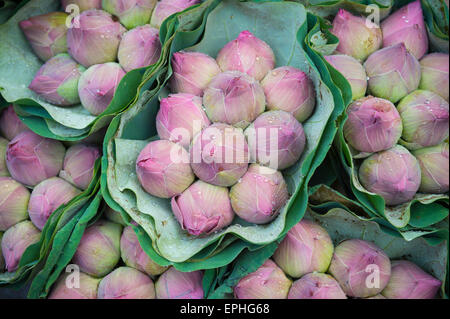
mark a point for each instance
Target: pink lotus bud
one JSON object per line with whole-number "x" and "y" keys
{"x": 379, "y": 296}
{"x": 219, "y": 154}
{"x": 316, "y": 286}
{"x": 393, "y": 174}
{"x": 433, "y": 163}
{"x": 131, "y": 13}
{"x": 358, "y": 36}
{"x": 98, "y": 85}
{"x": 247, "y": 54}
{"x": 47, "y": 197}
{"x": 234, "y": 98}
{"x": 78, "y": 167}
{"x": 114, "y": 216}
{"x": 435, "y": 74}
{"x": 393, "y": 73}
{"x": 83, "y": 5}
{"x": 126, "y": 283}
{"x": 425, "y": 117}
{"x": 14, "y": 199}
{"x": 276, "y": 139}
{"x": 267, "y": 282}
{"x": 133, "y": 255}
{"x": 139, "y": 48}
{"x": 408, "y": 281}
{"x": 407, "y": 26}
{"x": 289, "y": 89}
{"x": 69, "y": 286}
{"x": 31, "y": 158}
{"x": 47, "y": 34}
{"x": 192, "y": 72}
{"x": 163, "y": 169}
{"x": 10, "y": 124}
{"x": 94, "y": 38}
{"x": 99, "y": 249}
{"x": 361, "y": 268}
{"x": 203, "y": 208}
{"x": 166, "y": 8}
{"x": 353, "y": 71}
{"x": 3, "y": 169}
{"x": 174, "y": 284}
{"x": 16, "y": 240}
{"x": 306, "y": 248}
{"x": 373, "y": 125}
{"x": 57, "y": 80}
{"x": 180, "y": 118}
{"x": 259, "y": 195}
{"x": 2, "y": 260}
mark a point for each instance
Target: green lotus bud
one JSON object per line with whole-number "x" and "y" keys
{"x": 174, "y": 284}
{"x": 126, "y": 283}
{"x": 133, "y": 255}
{"x": 99, "y": 249}
{"x": 316, "y": 286}
{"x": 83, "y": 5}
{"x": 3, "y": 169}
{"x": 14, "y": 199}
{"x": 131, "y": 13}
{"x": 379, "y": 296}
{"x": 114, "y": 216}
{"x": 435, "y": 74}
{"x": 16, "y": 240}
{"x": 425, "y": 117}
{"x": 361, "y": 268}
{"x": 69, "y": 286}
{"x": 306, "y": 248}
{"x": 433, "y": 163}
{"x": 393, "y": 174}
{"x": 267, "y": 282}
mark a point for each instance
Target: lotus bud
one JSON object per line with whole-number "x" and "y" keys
{"x": 306, "y": 248}
{"x": 174, "y": 284}
{"x": 2, "y": 260}
{"x": 203, "y": 208}
{"x": 192, "y": 72}
{"x": 435, "y": 74}
{"x": 47, "y": 197}
{"x": 180, "y": 118}
{"x": 78, "y": 167}
{"x": 407, "y": 26}
{"x": 126, "y": 283}
{"x": 361, "y": 268}
{"x": 10, "y": 124}
{"x": 393, "y": 174}
{"x": 316, "y": 286}
{"x": 139, "y": 48}
{"x": 133, "y": 255}
{"x": 47, "y": 34}
{"x": 234, "y": 98}
{"x": 114, "y": 216}
{"x": 379, "y": 296}
{"x": 393, "y": 73}
{"x": 99, "y": 249}
{"x": 16, "y": 240}
{"x": 433, "y": 163}
{"x": 219, "y": 154}
{"x": 83, "y": 5}
{"x": 98, "y": 85}
{"x": 353, "y": 72}
{"x": 358, "y": 36}
{"x": 373, "y": 125}
{"x": 259, "y": 195}
{"x": 289, "y": 89}
{"x": 276, "y": 139}
{"x": 163, "y": 169}
{"x": 267, "y": 282}
{"x": 409, "y": 281}
{"x": 57, "y": 80}
{"x": 3, "y": 169}
{"x": 31, "y": 158}
{"x": 95, "y": 38}
{"x": 14, "y": 199}
{"x": 69, "y": 286}
{"x": 425, "y": 117}
{"x": 166, "y": 8}
{"x": 131, "y": 13}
